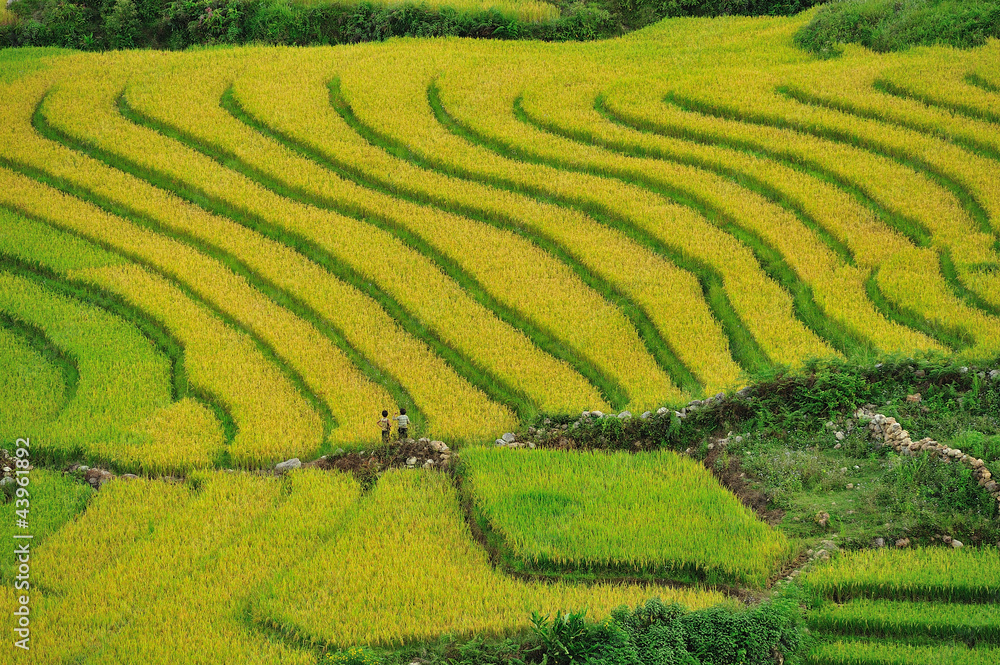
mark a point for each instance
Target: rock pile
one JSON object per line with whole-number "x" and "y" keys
{"x": 406, "y": 454}
{"x": 97, "y": 478}
{"x": 891, "y": 433}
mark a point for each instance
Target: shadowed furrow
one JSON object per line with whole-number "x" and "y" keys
{"x": 822, "y": 269}
{"x": 273, "y": 418}
{"x": 447, "y": 312}
{"x": 842, "y": 164}
{"x": 500, "y": 269}
{"x": 469, "y": 158}
{"x": 596, "y": 330}
{"x": 120, "y": 410}
{"x": 352, "y": 311}
{"x": 154, "y": 209}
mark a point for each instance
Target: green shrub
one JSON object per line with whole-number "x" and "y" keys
{"x": 894, "y": 25}
{"x": 121, "y": 25}
{"x": 666, "y": 634}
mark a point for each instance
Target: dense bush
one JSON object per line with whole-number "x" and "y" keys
{"x": 666, "y": 634}
{"x": 893, "y": 25}
{"x": 176, "y": 24}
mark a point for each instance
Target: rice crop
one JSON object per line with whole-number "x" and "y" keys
{"x": 483, "y": 230}
{"x": 659, "y": 512}
{"x": 964, "y": 575}
{"x": 412, "y": 518}
{"x": 961, "y": 621}
{"x": 851, "y": 652}
{"x": 180, "y": 560}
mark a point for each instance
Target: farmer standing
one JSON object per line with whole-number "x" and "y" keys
{"x": 403, "y": 422}
{"x": 384, "y": 424}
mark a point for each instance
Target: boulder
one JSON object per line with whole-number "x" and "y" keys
{"x": 624, "y": 415}
{"x": 957, "y": 544}
{"x": 97, "y": 477}
{"x": 878, "y": 542}
{"x": 903, "y": 543}
{"x": 287, "y": 465}
{"x": 509, "y": 437}
{"x": 662, "y": 411}
{"x": 411, "y": 461}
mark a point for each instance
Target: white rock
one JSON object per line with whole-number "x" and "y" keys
{"x": 956, "y": 543}
{"x": 509, "y": 437}
{"x": 597, "y": 414}
{"x": 662, "y": 411}
{"x": 840, "y": 436}
{"x": 288, "y": 465}
{"x": 410, "y": 461}
{"x": 623, "y": 415}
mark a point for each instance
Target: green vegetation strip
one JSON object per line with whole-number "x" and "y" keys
{"x": 276, "y": 294}
{"x": 838, "y": 335}
{"x": 757, "y": 185}
{"x": 268, "y": 351}
{"x": 889, "y": 88}
{"x": 954, "y": 338}
{"x": 975, "y": 79}
{"x": 967, "y": 199}
{"x": 745, "y": 349}
{"x": 493, "y": 387}
{"x": 657, "y": 347}
{"x": 155, "y": 332}
{"x": 37, "y": 340}
{"x": 916, "y": 232}
{"x": 55, "y": 500}
{"x": 885, "y": 618}
{"x": 544, "y": 339}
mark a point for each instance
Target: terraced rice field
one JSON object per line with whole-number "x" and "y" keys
{"x": 238, "y": 568}
{"x": 658, "y": 513}
{"x": 480, "y": 231}
{"x": 907, "y": 606}
{"x": 227, "y": 258}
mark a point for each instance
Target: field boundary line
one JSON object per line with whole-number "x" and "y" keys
{"x": 158, "y": 335}
{"x": 887, "y": 87}
{"x": 658, "y": 348}
{"x": 745, "y": 349}
{"x": 279, "y": 296}
{"x": 542, "y": 338}
{"x": 492, "y": 387}
{"x": 770, "y": 259}
{"x": 35, "y": 338}
{"x": 913, "y": 230}
{"x": 969, "y": 200}
{"x": 267, "y": 351}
